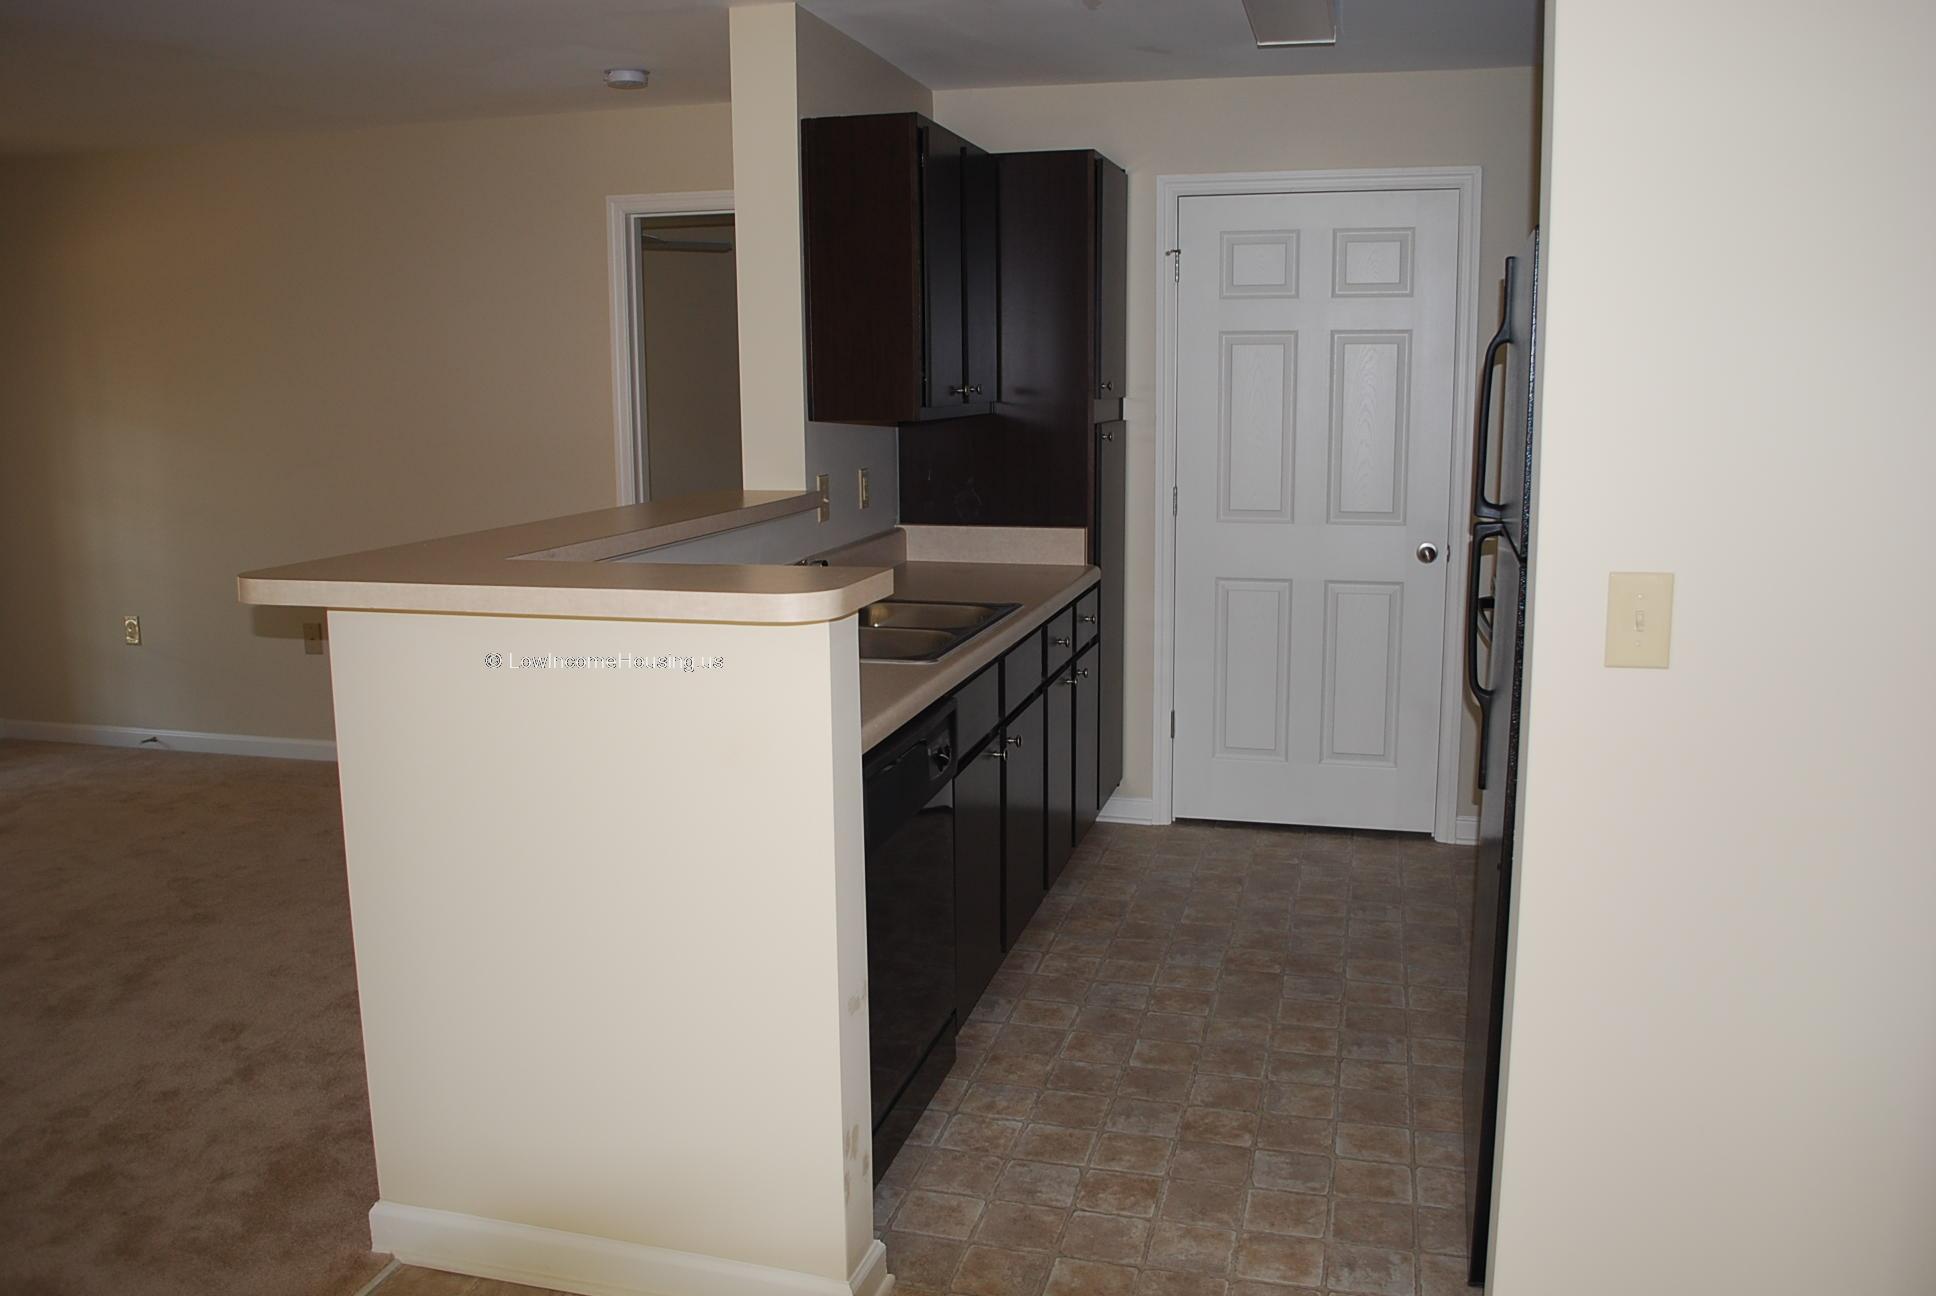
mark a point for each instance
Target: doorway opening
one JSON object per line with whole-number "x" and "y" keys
{"x": 675, "y": 336}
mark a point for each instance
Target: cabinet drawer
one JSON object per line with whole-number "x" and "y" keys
{"x": 1088, "y": 618}
{"x": 1061, "y": 638}
{"x": 1021, "y": 672}
{"x": 978, "y": 708}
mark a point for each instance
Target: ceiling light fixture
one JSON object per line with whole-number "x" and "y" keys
{"x": 627, "y": 78}
{"x": 1277, "y": 23}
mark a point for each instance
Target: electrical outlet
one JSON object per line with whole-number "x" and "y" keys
{"x": 313, "y": 637}
{"x": 131, "y": 629}
{"x": 864, "y": 495}
{"x": 824, "y": 485}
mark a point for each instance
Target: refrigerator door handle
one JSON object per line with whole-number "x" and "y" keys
{"x": 1482, "y": 506}
{"x": 1474, "y": 604}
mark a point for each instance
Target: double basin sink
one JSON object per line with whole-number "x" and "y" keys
{"x": 909, "y": 630}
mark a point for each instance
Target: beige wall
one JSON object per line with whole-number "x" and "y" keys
{"x": 256, "y": 352}
{"x": 1721, "y": 1071}
{"x": 1484, "y": 118}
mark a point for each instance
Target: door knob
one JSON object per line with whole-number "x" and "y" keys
{"x": 1428, "y": 552}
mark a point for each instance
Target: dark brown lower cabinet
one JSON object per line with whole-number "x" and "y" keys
{"x": 978, "y": 874}
{"x": 1088, "y": 691}
{"x": 1059, "y": 818}
{"x": 1024, "y": 787}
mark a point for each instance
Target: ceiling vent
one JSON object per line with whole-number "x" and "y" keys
{"x": 629, "y": 78}
{"x": 1277, "y": 23}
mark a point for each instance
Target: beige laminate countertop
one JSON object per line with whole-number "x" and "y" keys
{"x": 893, "y": 693}
{"x": 559, "y": 568}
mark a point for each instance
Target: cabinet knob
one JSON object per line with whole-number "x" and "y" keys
{"x": 1107, "y": 435}
{"x": 1109, "y": 384}
{"x": 994, "y": 753}
{"x": 965, "y": 390}
{"x": 1087, "y": 619}
{"x": 1082, "y": 672}
{"x": 1060, "y": 641}
{"x": 1066, "y": 682}
{"x": 1014, "y": 740}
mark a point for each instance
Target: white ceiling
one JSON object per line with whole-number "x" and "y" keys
{"x": 951, "y": 44}
{"x": 117, "y": 73}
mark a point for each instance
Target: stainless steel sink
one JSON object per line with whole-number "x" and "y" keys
{"x": 909, "y": 630}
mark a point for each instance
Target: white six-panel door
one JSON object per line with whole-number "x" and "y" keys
{"x": 1314, "y": 425}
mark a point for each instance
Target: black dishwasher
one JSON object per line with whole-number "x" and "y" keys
{"x": 908, "y": 791}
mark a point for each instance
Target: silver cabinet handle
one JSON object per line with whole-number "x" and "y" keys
{"x": 1087, "y": 620}
{"x": 1014, "y": 740}
{"x": 1108, "y": 384}
{"x": 1082, "y": 672}
{"x": 1108, "y": 436}
{"x": 994, "y": 753}
{"x": 965, "y": 390}
{"x": 1060, "y": 642}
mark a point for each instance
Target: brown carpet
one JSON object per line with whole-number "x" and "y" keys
{"x": 182, "y": 1101}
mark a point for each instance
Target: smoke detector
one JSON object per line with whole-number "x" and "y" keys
{"x": 1277, "y": 23}
{"x": 627, "y": 78}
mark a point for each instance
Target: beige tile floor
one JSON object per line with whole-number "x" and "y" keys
{"x": 1222, "y": 1061}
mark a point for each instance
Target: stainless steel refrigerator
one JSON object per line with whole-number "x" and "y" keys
{"x": 1495, "y": 647}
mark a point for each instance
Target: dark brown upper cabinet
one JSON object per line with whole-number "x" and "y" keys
{"x": 1112, "y": 287}
{"x": 900, "y": 238}
{"x": 1064, "y": 219}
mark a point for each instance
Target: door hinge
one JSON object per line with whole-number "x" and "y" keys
{"x": 1172, "y": 724}
{"x": 1175, "y": 255}
{"x": 1172, "y": 501}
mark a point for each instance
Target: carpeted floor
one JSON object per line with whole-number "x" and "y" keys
{"x": 182, "y": 1101}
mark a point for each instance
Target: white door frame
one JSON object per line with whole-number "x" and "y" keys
{"x": 622, "y": 213}
{"x": 1170, "y": 189}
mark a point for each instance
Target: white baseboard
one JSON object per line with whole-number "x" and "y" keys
{"x": 1465, "y": 830}
{"x": 595, "y": 1266}
{"x": 321, "y": 749}
{"x": 1129, "y": 810}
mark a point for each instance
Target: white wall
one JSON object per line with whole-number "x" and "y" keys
{"x": 1485, "y": 118}
{"x": 1722, "y": 1062}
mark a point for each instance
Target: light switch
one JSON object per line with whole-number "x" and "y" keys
{"x": 1640, "y": 618}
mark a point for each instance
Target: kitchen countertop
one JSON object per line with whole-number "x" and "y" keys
{"x": 893, "y": 693}
{"x": 559, "y": 568}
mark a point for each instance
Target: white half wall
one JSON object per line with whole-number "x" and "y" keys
{"x": 599, "y": 998}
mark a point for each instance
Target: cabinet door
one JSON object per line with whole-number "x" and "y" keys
{"x": 978, "y": 875}
{"x": 1088, "y": 691}
{"x": 1023, "y": 791}
{"x": 1108, "y": 540}
{"x": 980, "y": 265}
{"x": 1059, "y": 801}
{"x": 1112, "y": 278}
{"x": 942, "y": 156}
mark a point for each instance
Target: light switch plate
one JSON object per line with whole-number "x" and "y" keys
{"x": 1640, "y": 618}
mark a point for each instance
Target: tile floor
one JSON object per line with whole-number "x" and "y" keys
{"x": 1222, "y": 1061}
